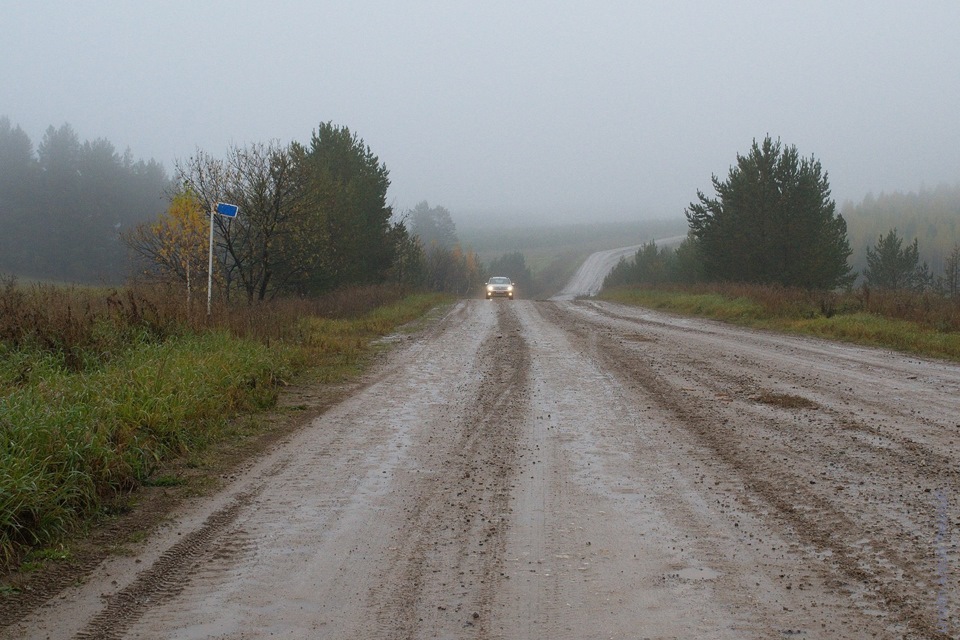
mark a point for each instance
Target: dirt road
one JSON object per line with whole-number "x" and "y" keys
{"x": 561, "y": 469}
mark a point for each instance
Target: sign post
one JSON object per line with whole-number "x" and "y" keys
{"x": 227, "y": 211}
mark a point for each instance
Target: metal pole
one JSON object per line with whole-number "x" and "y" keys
{"x": 210, "y": 266}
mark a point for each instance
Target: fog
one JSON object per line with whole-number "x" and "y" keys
{"x": 528, "y": 111}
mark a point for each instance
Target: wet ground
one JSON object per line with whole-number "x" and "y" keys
{"x": 573, "y": 469}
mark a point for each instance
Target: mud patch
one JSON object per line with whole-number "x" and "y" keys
{"x": 784, "y": 400}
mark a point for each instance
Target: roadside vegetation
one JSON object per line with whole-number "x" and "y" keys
{"x": 769, "y": 250}
{"x": 925, "y": 324}
{"x": 101, "y": 387}
{"x": 929, "y": 216}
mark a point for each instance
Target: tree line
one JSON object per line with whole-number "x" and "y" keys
{"x": 445, "y": 266}
{"x": 64, "y": 204}
{"x": 313, "y": 218}
{"x": 772, "y": 221}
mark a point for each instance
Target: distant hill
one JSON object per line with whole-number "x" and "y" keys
{"x": 554, "y": 252}
{"x": 545, "y": 241}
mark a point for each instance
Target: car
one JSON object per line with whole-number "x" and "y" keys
{"x": 499, "y": 287}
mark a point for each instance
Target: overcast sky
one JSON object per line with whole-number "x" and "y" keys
{"x": 592, "y": 110}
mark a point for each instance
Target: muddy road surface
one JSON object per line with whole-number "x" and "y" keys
{"x": 573, "y": 469}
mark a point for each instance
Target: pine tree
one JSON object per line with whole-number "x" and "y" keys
{"x": 892, "y": 266}
{"x": 772, "y": 222}
{"x": 346, "y": 198}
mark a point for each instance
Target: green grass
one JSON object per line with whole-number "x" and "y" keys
{"x": 72, "y": 438}
{"x": 874, "y": 330}
{"x": 81, "y": 424}
{"x": 804, "y": 313}
{"x": 40, "y": 557}
{"x": 711, "y": 305}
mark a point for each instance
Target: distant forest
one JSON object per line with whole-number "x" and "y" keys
{"x": 64, "y": 204}
{"x": 931, "y": 215}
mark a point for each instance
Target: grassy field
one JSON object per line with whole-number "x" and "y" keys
{"x": 924, "y": 324}
{"x": 98, "y": 388}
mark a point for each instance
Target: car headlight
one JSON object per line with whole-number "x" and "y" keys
{"x": 510, "y": 288}
{"x": 489, "y": 287}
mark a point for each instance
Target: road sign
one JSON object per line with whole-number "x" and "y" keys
{"x": 228, "y": 210}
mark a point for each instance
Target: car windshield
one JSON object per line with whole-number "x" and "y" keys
{"x": 499, "y": 280}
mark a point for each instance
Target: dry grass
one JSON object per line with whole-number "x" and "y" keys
{"x": 79, "y": 321}
{"x": 922, "y": 323}
{"x": 927, "y": 309}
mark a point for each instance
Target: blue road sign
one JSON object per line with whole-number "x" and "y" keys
{"x": 228, "y": 210}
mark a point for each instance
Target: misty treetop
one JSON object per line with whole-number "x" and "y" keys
{"x": 432, "y": 225}
{"x": 62, "y": 208}
{"x": 772, "y": 221}
{"x": 431, "y": 254}
{"x": 931, "y": 215}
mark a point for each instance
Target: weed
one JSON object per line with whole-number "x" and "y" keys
{"x": 121, "y": 550}
{"x": 137, "y": 537}
{"x": 55, "y": 552}
{"x": 38, "y": 558}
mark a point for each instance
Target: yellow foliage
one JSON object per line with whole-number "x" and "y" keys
{"x": 182, "y": 234}
{"x": 183, "y": 230}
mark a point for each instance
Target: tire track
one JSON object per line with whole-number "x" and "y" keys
{"x": 166, "y": 577}
{"x": 942, "y": 469}
{"x": 815, "y": 519}
{"x": 450, "y": 551}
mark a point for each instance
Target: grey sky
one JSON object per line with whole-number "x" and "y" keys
{"x": 592, "y": 110}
